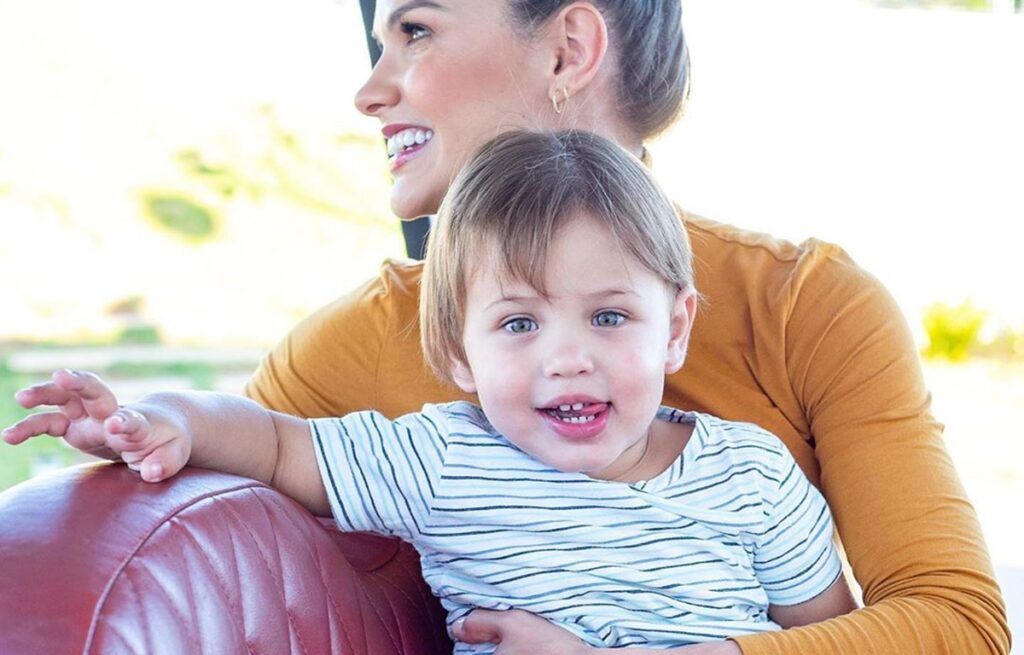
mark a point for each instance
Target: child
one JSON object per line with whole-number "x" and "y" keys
{"x": 558, "y": 288}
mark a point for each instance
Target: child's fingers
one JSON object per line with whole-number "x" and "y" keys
{"x": 163, "y": 462}
{"x": 48, "y": 393}
{"x": 128, "y": 426}
{"x": 52, "y": 423}
{"x": 97, "y": 398}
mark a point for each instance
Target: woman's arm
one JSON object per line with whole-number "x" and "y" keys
{"x": 327, "y": 364}
{"x": 908, "y": 529}
{"x": 362, "y": 351}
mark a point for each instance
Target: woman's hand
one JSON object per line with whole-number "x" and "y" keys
{"x": 88, "y": 417}
{"x": 517, "y": 633}
{"x": 521, "y": 633}
{"x": 710, "y": 648}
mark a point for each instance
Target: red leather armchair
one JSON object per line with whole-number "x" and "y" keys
{"x": 93, "y": 560}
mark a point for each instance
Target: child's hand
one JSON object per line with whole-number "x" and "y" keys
{"x": 88, "y": 417}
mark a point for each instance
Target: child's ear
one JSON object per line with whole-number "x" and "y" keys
{"x": 684, "y": 310}
{"x": 462, "y": 375}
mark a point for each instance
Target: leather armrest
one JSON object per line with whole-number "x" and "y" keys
{"x": 94, "y": 560}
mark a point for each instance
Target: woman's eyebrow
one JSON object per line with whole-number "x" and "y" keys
{"x": 397, "y": 14}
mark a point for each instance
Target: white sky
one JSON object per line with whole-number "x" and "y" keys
{"x": 898, "y": 134}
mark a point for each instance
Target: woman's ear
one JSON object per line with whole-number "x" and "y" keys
{"x": 684, "y": 310}
{"x": 462, "y": 376}
{"x": 581, "y": 42}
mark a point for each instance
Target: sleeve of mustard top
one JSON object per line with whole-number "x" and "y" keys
{"x": 910, "y": 533}
{"x": 327, "y": 365}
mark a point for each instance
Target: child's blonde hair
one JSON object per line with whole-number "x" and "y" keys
{"x": 510, "y": 201}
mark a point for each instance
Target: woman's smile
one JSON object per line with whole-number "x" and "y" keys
{"x": 446, "y": 69}
{"x": 405, "y": 142}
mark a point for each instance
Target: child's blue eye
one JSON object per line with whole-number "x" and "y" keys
{"x": 608, "y": 319}
{"x": 520, "y": 325}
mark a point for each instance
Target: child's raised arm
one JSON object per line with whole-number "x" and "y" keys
{"x": 161, "y": 433}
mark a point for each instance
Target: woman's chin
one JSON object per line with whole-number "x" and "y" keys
{"x": 408, "y": 202}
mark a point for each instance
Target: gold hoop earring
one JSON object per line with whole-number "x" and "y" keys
{"x": 560, "y": 107}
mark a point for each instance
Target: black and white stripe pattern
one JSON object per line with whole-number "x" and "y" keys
{"x": 694, "y": 554}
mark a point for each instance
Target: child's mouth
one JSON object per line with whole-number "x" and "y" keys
{"x": 578, "y": 420}
{"x": 576, "y": 412}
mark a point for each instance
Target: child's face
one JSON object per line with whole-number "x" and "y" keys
{"x": 601, "y": 344}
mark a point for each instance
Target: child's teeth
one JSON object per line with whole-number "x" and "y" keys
{"x": 577, "y": 419}
{"x": 564, "y": 408}
{"x": 577, "y": 407}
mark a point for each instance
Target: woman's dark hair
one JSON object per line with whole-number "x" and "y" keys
{"x": 653, "y": 61}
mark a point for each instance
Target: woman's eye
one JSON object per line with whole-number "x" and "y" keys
{"x": 414, "y": 31}
{"x": 520, "y": 325}
{"x": 608, "y": 319}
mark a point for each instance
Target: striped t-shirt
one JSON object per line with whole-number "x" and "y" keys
{"x": 694, "y": 554}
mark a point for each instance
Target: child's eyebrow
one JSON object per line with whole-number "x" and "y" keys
{"x": 612, "y": 292}
{"x": 509, "y": 299}
{"x": 602, "y": 293}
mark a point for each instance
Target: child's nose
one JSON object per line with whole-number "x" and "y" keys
{"x": 568, "y": 359}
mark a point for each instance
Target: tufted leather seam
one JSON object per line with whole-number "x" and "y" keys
{"x": 380, "y": 617}
{"x": 105, "y": 594}
{"x": 185, "y": 621}
{"x": 277, "y": 582}
{"x": 418, "y": 571}
{"x": 384, "y": 580}
{"x": 223, "y": 587}
{"x": 320, "y": 568}
{"x": 138, "y": 596}
{"x": 181, "y": 617}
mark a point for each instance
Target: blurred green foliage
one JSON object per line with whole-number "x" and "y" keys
{"x": 139, "y": 335}
{"x": 1007, "y": 345}
{"x": 972, "y": 5}
{"x": 328, "y": 176}
{"x": 953, "y": 332}
{"x": 180, "y": 215}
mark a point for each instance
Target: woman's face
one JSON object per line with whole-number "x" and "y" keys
{"x": 453, "y": 74}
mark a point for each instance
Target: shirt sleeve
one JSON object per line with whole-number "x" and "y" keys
{"x": 795, "y": 558}
{"x": 911, "y": 535}
{"x": 380, "y": 475}
{"x": 327, "y": 365}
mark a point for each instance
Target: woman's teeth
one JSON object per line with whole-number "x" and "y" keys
{"x": 407, "y": 139}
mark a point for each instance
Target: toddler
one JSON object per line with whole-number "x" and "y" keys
{"x": 558, "y": 289}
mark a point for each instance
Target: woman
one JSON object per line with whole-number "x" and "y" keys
{"x": 796, "y": 339}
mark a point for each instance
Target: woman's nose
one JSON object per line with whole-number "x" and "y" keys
{"x": 379, "y": 92}
{"x": 569, "y": 359}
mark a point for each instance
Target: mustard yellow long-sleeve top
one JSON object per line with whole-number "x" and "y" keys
{"x": 797, "y": 339}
